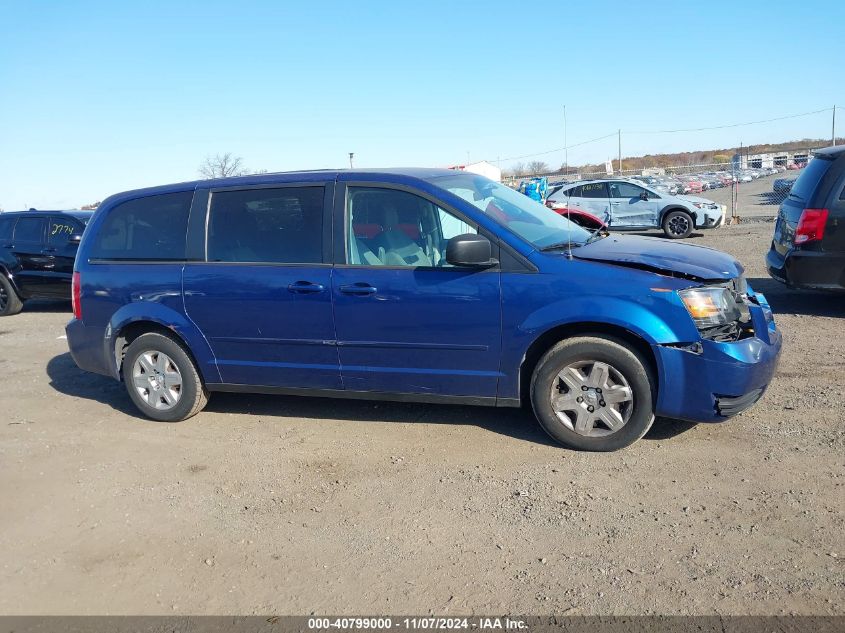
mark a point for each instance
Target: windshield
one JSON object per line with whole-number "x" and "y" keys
{"x": 518, "y": 213}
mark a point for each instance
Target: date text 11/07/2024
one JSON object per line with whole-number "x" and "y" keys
{"x": 420, "y": 623}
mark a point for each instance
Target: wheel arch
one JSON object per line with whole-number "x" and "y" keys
{"x": 677, "y": 207}
{"x": 551, "y": 337}
{"x": 131, "y": 330}
{"x": 10, "y": 277}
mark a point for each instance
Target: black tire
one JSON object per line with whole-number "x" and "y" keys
{"x": 678, "y": 224}
{"x": 192, "y": 395}
{"x": 10, "y": 302}
{"x": 624, "y": 361}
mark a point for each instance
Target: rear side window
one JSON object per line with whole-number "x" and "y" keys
{"x": 279, "y": 226}
{"x": 29, "y": 230}
{"x": 594, "y": 190}
{"x": 147, "y": 229}
{"x": 6, "y": 225}
{"x": 809, "y": 179}
{"x": 60, "y": 230}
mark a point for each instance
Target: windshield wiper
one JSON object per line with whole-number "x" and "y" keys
{"x": 594, "y": 235}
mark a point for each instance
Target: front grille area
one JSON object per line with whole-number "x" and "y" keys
{"x": 731, "y": 405}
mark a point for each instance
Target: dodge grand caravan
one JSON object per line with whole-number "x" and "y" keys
{"x": 415, "y": 284}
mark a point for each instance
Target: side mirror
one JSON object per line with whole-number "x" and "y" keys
{"x": 644, "y": 195}
{"x": 470, "y": 249}
{"x": 74, "y": 240}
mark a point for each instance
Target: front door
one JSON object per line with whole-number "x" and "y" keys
{"x": 407, "y": 321}
{"x": 631, "y": 205}
{"x": 262, "y": 297}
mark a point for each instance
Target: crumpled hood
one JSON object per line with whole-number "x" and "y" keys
{"x": 663, "y": 257}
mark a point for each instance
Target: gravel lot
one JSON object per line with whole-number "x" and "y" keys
{"x": 293, "y": 505}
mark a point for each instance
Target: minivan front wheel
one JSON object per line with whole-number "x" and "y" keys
{"x": 678, "y": 225}
{"x": 592, "y": 393}
{"x": 10, "y": 303}
{"x": 161, "y": 378}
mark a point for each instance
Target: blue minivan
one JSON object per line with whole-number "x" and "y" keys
{"x": 412, "y": 284}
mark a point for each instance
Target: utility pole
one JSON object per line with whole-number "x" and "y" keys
{"x": 351, "y": 156}
{"x": 833, "y": 127}
{"x": 620, "y": 152}
{"x": 565, "y": 146}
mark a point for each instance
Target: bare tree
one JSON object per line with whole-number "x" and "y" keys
{"x": 518, "y": 169}
{"x": 538, "y": 167}
{"x": 222, "y": 166}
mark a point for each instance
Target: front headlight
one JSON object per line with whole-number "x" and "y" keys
{"x": 710, "y": 307}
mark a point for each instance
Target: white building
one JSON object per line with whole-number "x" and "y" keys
{"x": 482, "y": 168}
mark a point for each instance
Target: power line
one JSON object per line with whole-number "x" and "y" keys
{"x": 560, "y": 149}
{"x": 722, "y": 127}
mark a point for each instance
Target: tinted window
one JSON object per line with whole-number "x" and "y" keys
{"x": 625, "y": 190}
{"x": 60, "y": 230}
{"x": 147, "y": 229}
{"x": 6, "y": 225}
{"x": 594, "y": 190}
{"x": 29, "y": 229}
{"x": 283, "y": 226}
{"x": 396, "y": 228}
{"x": 809, "y": 178}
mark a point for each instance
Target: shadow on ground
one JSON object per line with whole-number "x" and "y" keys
{"x": 67, "y": 378}
{"x": 771, "y": 198}
{"x": 785, "y": 300}
{"x": 46, "y": 305}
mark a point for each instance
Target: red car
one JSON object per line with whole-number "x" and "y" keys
{"x": 692, "y": 185}
{"x": 581, "y": 218}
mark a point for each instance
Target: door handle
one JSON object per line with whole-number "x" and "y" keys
{"x": 360, "y": 288}
{"x": 305, "y": 287}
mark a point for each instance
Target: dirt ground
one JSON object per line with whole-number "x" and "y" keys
{"x": 293, "y": 505}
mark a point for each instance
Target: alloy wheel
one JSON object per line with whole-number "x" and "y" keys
{"x": 157, "y": 380}
{"x": 678, "y": 225}
{"x": 592, "y": 398}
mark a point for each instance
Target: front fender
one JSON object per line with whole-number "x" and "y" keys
{"x": 168, "y": 318}
{"x": 643, "y": 317}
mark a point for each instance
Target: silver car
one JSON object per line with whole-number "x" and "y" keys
{"x": 628, "y": 205}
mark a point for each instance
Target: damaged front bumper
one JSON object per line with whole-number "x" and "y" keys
{"x": 709, "y": 381}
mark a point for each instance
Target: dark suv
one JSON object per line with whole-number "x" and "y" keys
{"x": 808, "y": 248}
{"x": 37, "y": 249}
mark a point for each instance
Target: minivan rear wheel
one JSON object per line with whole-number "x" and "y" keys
{"x": 162, "y": 379}
{"x": 593, "y": 393}
{"x": 10, "y": 303}
{"x": 678, "y": 225}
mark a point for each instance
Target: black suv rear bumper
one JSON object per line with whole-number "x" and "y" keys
{"x": 813, "y": 270}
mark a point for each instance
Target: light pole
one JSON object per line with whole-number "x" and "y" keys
{"x": 351, "y": 156}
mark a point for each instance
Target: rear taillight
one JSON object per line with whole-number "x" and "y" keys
{"x": 76, "y": 295}
{"x": 811, "y": 226}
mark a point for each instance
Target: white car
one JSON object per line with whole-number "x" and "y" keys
{"x": 632, "y": 206}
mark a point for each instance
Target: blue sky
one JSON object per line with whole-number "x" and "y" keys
{"x": 98, "y": 97}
